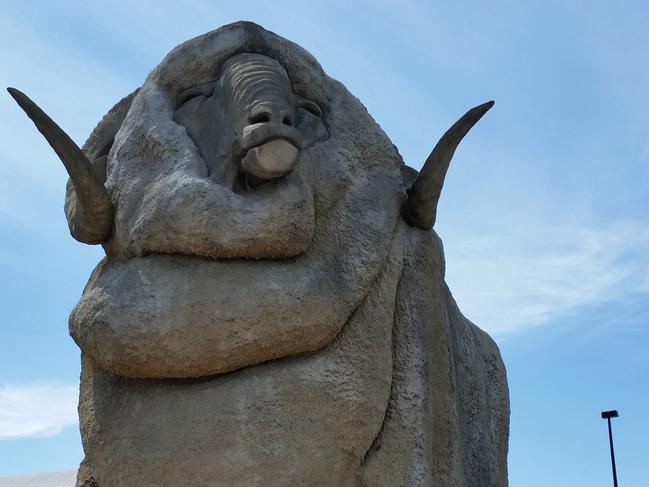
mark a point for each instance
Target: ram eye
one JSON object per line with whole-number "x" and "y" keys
{"x": 310, "y": 107}
{"x": 204, "y": 89}
{"x": 187, "y": 96}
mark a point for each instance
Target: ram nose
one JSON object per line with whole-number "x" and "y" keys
{"x": 270, "y": 144}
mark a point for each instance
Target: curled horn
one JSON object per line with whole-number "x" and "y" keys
{"x": 420, "y": 209}
{"x": 88, "y": 207}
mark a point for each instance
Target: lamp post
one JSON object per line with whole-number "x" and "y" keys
{"x": 607, "y": 415}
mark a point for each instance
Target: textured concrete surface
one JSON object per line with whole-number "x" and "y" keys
{"x": 265, "y": 316}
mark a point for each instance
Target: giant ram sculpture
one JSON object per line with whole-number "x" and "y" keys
{"x": 272, "y": 308}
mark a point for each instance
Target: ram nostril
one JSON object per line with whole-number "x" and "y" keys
{"x": 288, "y": 121}
{"x": 259, "y": 117}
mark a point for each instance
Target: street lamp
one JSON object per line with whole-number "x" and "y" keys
{"x": 607, "y": 415}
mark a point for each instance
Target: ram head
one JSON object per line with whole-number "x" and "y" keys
{"x": 272, "y": 298}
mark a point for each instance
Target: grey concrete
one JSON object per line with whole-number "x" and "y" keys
{"x": 265, "y": 316}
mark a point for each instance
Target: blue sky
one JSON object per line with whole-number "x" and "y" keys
{"x": 543, "y": 215}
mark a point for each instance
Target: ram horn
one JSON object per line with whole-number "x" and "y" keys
{"x": 420, "y": 209}
{"x": 88, "y": 207}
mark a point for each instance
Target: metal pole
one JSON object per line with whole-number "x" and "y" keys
{"x": 610, "y": 440}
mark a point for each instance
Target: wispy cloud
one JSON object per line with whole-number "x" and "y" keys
{"x": 514, "y": 281}
{"x": 74, "y": 88}
{"x": 36, "y": 410}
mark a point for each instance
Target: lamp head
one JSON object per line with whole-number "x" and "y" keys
{"x": 610, "y": 414}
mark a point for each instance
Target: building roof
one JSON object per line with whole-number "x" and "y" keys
{"x": 64, "y": 478}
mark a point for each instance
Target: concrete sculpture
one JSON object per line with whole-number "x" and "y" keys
{"x": 272, "y": 307}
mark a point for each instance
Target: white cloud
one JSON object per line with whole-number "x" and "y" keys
{"x": 36, "y": 410}
{"x": 523, "y": 278}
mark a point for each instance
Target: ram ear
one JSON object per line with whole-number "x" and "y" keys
{"x": 103, "y": 135}
{"x": 420, "y": 209}
{"x": 88, "y": 207}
